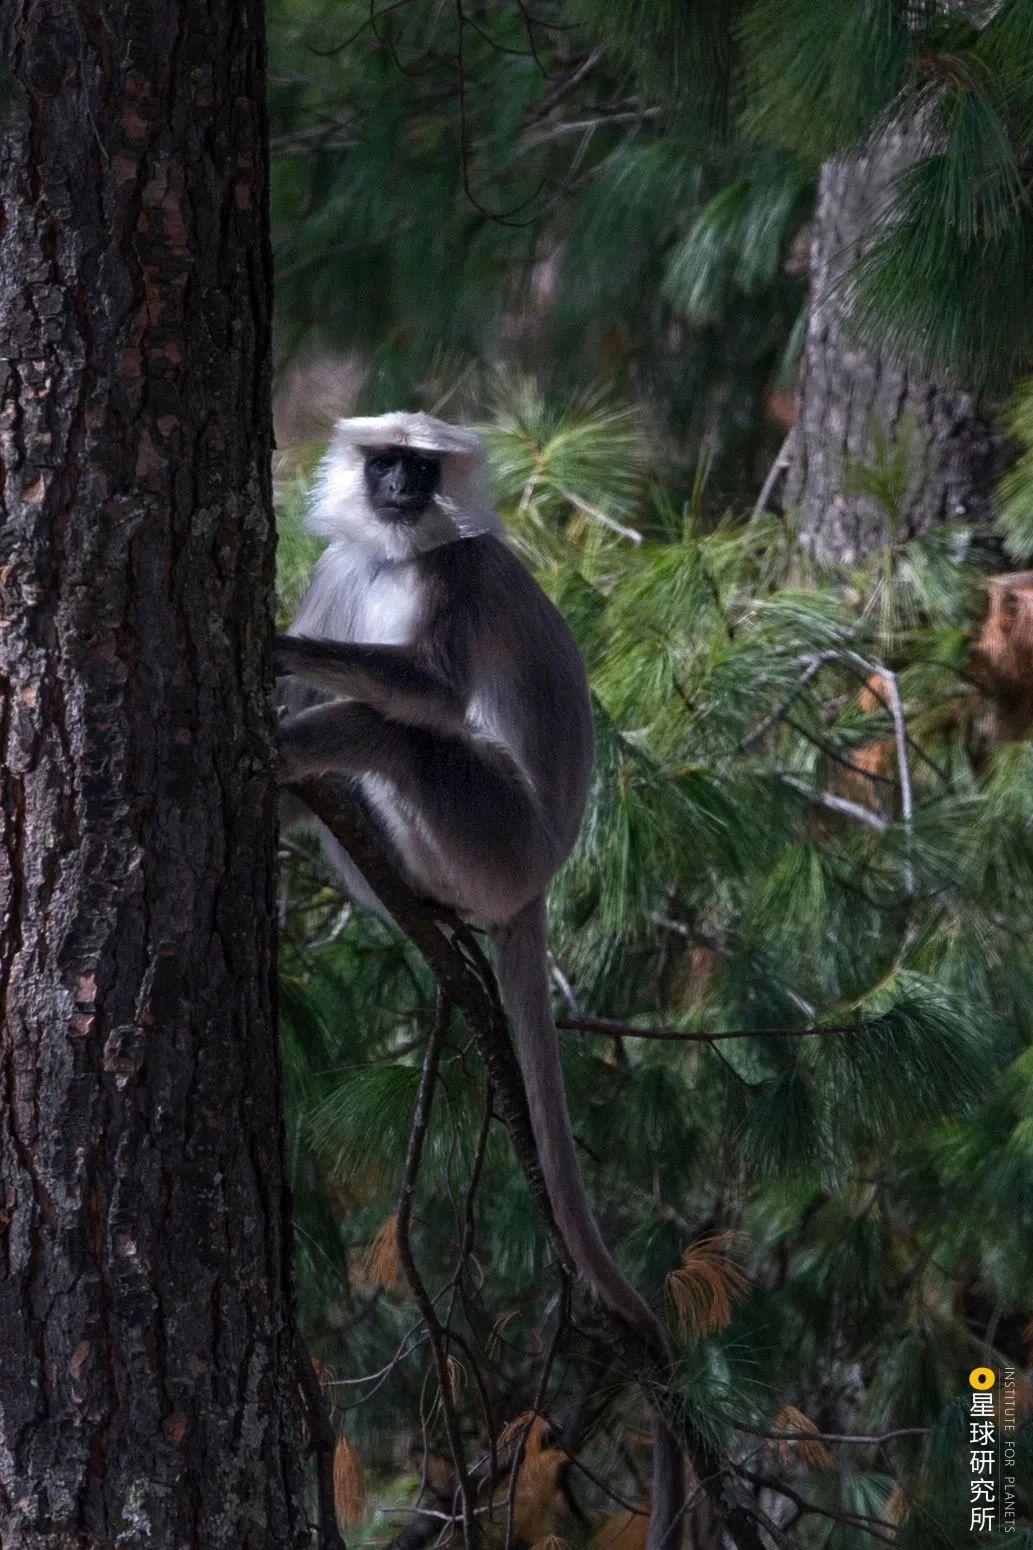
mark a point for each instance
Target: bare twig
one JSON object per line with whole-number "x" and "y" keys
{"x": 539, "y": 1406}
{"x": 859, "y": 1520}
{"x": 556, "y": 131}
{"x": 812, "y": 668}
{"x": 435, "y": 1330}
{"x": 903, "y": 768}
{"x": 631, "y": 533}
{"x": 775, "y": 472}
{"x": 502, "y": 217}
{"x": 586, "y": 66}
{"x": 371, "y": 21}
{"x": 855, "y": 1439}
{"x": 610, "y": 1028}
{"x": 835, "y": 754}
{"x": 322, "y": 1442}
{"x": 835, "y": 804}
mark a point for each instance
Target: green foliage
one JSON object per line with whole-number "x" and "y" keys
{"x": 1015, "y": 504}
{"x": 926, "y": 285}
{"x": 737, "y": 242}
{"x": 619, "y": 196}
{"x": 822, "y": 75}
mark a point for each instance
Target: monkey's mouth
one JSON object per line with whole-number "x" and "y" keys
{"x": 398, "y": 513}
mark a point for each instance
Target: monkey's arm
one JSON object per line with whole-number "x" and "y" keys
{"x": 390, "y": 678}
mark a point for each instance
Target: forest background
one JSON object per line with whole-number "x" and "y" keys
{"x": 740, "y": 298}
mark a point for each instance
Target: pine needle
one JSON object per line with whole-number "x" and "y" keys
{"x": 456, "y": 1376}
{"x": 895, "y": 1507}
{"x": 813, "y": 1455}
{"x": 381, "y": 1265}
{"x": 535, "y": 1439}
{"x": 497, "y": 1332}
{"x": 705, "y": 1284}
{"x": 349, "y": 1483}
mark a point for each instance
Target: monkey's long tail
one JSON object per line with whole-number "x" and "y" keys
{"x": 521, "y": 952}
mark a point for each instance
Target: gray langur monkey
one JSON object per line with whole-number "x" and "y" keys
{"x": 453, "y": 693}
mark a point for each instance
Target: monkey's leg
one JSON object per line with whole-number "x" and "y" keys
{"x": 390, "y": 678}
{"x": 461, "y": 821}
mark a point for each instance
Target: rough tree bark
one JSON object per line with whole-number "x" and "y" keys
{"x": 848, "y": 395}
{"x": 146, "y": 1379}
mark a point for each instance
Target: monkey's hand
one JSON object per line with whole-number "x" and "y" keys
{"x": 392, "y": 679}
{"x": 288, "y": 656}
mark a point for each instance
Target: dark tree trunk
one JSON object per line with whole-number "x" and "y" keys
{"x": 850, "y": 396}
{"x": 146, "y": 1365}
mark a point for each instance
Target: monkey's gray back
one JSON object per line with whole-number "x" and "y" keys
{"x": 472, "y": 613}
{"x": 528, "y": 688}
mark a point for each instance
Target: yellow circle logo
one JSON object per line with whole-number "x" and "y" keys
{"x": 982, "y": 1377}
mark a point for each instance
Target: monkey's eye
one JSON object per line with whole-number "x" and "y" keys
{"x": 381, "y": 462}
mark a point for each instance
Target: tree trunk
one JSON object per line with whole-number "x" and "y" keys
{"x": 850, "y": 397}
{"x": 147, "y": 1394}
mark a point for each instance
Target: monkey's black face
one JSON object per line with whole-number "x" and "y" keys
{"x": 401, "y": 483}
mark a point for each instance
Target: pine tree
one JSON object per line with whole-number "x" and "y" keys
{"x": 148, "y": 1375}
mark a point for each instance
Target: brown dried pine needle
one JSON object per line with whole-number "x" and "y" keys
{"x": 381, "y": 1265}
{"x": 814, "y": 1455}
{"x": 349, "y": 1483}
{"x": 706, "y": 1283}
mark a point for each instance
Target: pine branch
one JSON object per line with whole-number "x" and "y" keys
{"x": 863, "y": 1522}
{"x": 425, "y": 1303}
{"x": 322, "y": 1442}
{"x": 608, "y": 1027}
{"x": 856, "y": 1439}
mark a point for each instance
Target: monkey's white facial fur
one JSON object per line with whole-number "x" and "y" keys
{"x": 341, "y": 511}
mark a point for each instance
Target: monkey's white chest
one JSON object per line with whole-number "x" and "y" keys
{"x": 356, "y": 598}
{"x": 387, "y": 607}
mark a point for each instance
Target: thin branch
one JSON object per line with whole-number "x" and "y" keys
{"x": 371, "y": 21}
{"x": 813, "y": 667}
{"x": 861, "y": 1521}
{"x": 469, "y": 1228}
{"x": 568, "y": 83}
{"x": 503, "y": 217}
{"x": 867, "y": 670}
{"x": 435, "y": 1330}
{"x": 834, "y": 753}
{"x": 539, "y": 1406}
{"x": 465, "y": 978}
{"x": 848, "y": 1439}
{"x": 611, "y": 1028}
{"x": 777, "y": 468}
{"x": 631, "y": 533}
{"x": 903, "y": 770}
{"x": 835, "y": 804}
{"x": 322, "y": 1442}
{"x": 548, "y": 132}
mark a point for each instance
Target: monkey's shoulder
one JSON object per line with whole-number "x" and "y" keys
{"x": 487, "y": 615}
{"x": 481, "y": 579}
